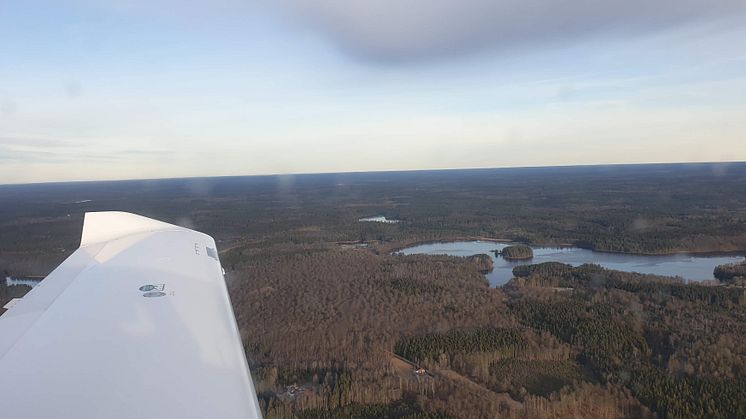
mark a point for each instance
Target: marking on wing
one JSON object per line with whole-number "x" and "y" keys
{"x": 153, "y": 290}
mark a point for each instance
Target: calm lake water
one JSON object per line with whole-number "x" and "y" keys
{"x": 691, "y": 268}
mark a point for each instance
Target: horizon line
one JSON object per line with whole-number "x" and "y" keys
{"x": 559, "y": 166}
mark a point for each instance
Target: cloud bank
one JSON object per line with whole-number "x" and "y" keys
{"x": 415, "y": 30}
{"x": 420, "y": 30}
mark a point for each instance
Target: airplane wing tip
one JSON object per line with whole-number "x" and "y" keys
{"x": 103, "y": 226}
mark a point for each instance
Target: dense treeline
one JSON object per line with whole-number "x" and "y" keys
{"x": 521, "y": 377}
{"x": 431, "y": 347}
{"x": 558, "y": 274}
{"x": 730, "y": 272}
{"x": 372, "y": 411}
{"x": 690, "y": 397}
{"x": 515, "y": 252}
{"x": 544, "y": 271}
{"x": 620, "y": 354}
{"x": 623, "y": 337}
{"x": 605, "y": 342}
{"x": 725, "y": 297}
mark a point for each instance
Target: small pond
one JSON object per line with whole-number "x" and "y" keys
{"x": 378, "y": 219}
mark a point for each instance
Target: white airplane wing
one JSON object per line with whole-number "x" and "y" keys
{"x": 136, "y": 323}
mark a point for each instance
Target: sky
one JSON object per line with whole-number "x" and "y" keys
{"x": 101, "y": 89}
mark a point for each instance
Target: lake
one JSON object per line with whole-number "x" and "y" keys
{"x": 378, "y": 219}
{"x": 688, "y": 267}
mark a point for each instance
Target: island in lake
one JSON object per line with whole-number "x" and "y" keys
{"x": 516, "y": 252}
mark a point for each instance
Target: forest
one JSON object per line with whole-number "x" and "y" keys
{"x": 732, "y": 273}
{"x": 518, "y": 251}
{"x": 335, "y": 325}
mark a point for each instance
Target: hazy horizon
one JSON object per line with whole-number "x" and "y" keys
{"x": 99, "y": 90}
{"x": 718, "y": 167}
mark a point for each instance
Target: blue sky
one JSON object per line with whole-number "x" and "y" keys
{"x": 92, "y": 89}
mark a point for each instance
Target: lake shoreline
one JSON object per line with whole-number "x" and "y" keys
{"x": 688, "y": 267}
{"x": 703, "y": 253}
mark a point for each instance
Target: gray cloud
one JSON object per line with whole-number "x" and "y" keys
{"x": 417, "y": 30}
{"x": 414, "y": 30}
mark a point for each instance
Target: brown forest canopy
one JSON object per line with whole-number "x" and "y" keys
{"x": 731, "y": 272}
{"x": 334, "y": 325}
